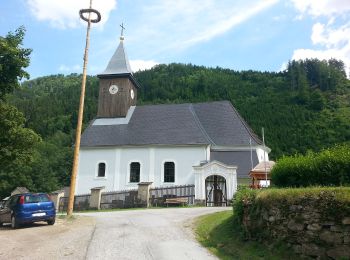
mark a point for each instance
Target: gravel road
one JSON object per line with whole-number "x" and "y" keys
{"x": 67, "y": 239}
{"x": 147, "y": 234}
{"x": 133, "y": 234}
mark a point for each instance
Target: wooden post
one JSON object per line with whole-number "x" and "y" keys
{"x": 81, "y": 109}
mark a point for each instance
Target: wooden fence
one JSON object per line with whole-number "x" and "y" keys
{"x": 119, "y": 199}
{"x": 81, "y": 202}
{"x": 158, "y": 195}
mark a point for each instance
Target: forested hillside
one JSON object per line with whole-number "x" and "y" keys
{"x": 307, "y": 107}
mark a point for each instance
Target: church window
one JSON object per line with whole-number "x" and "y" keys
{"x": 169, "y": 172}
{"x": 135, "y": 172}
{"x": 101, "y": 170}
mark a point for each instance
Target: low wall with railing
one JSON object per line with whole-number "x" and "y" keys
{"x": 129, "y": 198}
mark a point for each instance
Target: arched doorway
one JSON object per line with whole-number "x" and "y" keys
{"x": 216, "y": 192}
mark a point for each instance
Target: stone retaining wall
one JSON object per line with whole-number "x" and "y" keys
{"x": 305, "y": 227}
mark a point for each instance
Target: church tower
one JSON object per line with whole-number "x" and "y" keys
{"x": 118, "y": 87}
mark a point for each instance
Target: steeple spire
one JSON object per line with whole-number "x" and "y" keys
{"x": 119, "y": 63}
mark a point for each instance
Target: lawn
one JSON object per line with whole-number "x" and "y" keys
{"x": 216, "y": 233}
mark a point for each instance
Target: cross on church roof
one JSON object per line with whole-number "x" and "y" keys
{"x": 121, "y": 34}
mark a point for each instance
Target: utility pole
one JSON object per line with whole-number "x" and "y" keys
{"x": 81, "y": 105}
{"x": 263, "y": 136}
{"x": 251, "y": 152}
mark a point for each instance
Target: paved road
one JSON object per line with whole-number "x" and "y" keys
{"x": 147, "y": 234}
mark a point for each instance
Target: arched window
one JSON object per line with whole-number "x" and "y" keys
{"x": 169, "y": 172}
{"x": 134, "y": 172}
{"x": 101, "y": 170}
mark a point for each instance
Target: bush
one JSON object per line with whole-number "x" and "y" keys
{"x": 244, "y": 199}
{"x": 329, "y": 167}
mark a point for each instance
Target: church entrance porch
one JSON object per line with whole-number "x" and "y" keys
{"x": 216, "y": 194}
{"x": 215, "y": 183}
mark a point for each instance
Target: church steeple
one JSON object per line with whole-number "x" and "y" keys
{"x": 118, "y": 87}
{"x": 119, "y": 63}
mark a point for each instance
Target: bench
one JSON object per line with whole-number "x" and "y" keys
{"x": 176, "y": 201}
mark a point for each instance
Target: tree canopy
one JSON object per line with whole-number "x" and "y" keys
{"x": 13, "y": 59}
{"x": 17, "y": 143}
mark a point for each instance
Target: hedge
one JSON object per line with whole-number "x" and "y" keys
{"x": 330, "y": 167}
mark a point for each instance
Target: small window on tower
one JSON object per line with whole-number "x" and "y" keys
{"x": 101, "y": 170}
{"x": 135, "y": 172}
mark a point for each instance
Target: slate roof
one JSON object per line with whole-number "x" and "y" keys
{"x": 119, "y": 63}
{"x": 216, "y": 123}
{"x": 240, "y": 158}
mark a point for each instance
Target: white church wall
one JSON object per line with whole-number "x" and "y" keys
{"x": 183, "y": 157}
{"x": 88, "y": 168}
{"x": 151, "y": 161}
{"x": 127, "y": 156}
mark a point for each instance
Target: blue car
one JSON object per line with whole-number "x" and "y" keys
{"x": 27, "y": 208}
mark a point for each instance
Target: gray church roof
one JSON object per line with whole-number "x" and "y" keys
{"x": 216, "y": 123}
{"x": 119, "y": 63}
{"x": 240, "y": 158}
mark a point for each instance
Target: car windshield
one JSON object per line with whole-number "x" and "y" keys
{"x": 35, "y": 198}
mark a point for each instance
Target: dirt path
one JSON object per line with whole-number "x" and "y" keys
{"x": 132, "y": 234}
{"x": 67, "y": 239}
{"x": 148, "y": 234}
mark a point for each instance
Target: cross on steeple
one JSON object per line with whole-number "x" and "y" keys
{"x": 123, "y": 28}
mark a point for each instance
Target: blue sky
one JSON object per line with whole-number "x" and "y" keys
{"x": 241, "y": 35}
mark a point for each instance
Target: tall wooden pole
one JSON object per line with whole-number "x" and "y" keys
{"x": 80, "y": 113}
{"x": 263, "y": 134}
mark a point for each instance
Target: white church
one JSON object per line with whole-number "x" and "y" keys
{"x": 205, "y": 144}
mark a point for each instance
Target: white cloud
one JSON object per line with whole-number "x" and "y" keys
{"x": 330, "y": 39}
{"x": 223, "y": 25}
{"x": 137, "y": 65}
{"x": 284, "y": 66}
{"x": 65, "y": 13}
{"x": 177, "y": 25}
{"x": 335, "y": 43}
{"x": 322, "y": 7}
{"x": 320, "y": 54}
{"x": 70, "y": 69}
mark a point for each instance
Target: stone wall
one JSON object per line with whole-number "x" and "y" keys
{"x": 309, "y": 227}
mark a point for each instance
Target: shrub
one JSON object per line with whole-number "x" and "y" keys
{"x": 243, "y": 199}
{"x": 330, "y": 167}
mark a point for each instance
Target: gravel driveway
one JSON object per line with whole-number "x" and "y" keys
{"x": 67, "y": 239}
{"x": 147, "y": 234}
{"x": 132, "y": 234}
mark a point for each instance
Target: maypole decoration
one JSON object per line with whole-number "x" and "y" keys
{"x": 81, "y": 104}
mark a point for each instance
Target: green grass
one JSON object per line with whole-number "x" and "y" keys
{"x": 216, "y": 233}
{"x": 65, "y": 217}
{"x": 291, "y": 195}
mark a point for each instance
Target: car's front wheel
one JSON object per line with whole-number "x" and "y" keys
{"x": 14, "y": 222}
{"x": 51, "y": 221}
